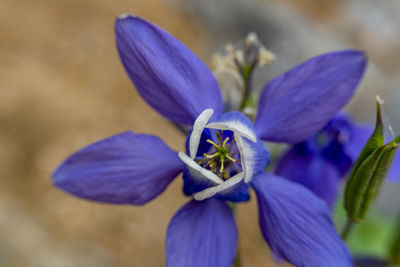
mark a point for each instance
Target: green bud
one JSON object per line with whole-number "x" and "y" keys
{"x": 376, "y": 140}
{"x": 369, "y": 172}
{"x": 366, "y": 182}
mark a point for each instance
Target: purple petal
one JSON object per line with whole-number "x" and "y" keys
{"x": 394, "y": 173}
{"x": 234, "y": 121}
{"x": 255, "y": 156}
{"x": 126, "y": 168}
{"x": 202, "y": 234}
{"x": 168, "y": 76}
{"x": 237, "y": 193}
{"x": 311, "y": 171}
{"x": 296, "y": 104}
{"x": 296, "y": 224}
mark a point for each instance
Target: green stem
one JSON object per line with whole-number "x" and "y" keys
{"x": 246, "y": 71}
{"x": 246, "y": 81}
{"x": 238, "y": 261}
{"x": 347, "y": 229}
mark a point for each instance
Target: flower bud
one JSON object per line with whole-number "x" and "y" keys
{"x": 369, "y": 171}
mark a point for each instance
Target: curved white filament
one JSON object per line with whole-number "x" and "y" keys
{"x": 211, "y": 191}
{"x": 198, "y": 169}
{"x": 198, "y": 129}
{"x": 236, "y": 127}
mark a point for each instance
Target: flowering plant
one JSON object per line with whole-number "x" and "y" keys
{"x": 224, "y": 152}
{"x": 330, "y": 154}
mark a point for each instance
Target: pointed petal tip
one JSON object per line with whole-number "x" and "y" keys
{"x": 326, "y": 82}
{"x": 362, "y": 55}
{"x": 123, "y": 18}
{"x": 57, "y": 178}
{"x": 354, "y": 52}
{"x": 126, "y": 16}
{"x": 350, "y": 55}
{"x": 110, "y": 171}
{"x": 126, "y": 19}
{"x": 358, "y": 58}
{"x": 357, "y": 55}
{"x": 153, "y": 58}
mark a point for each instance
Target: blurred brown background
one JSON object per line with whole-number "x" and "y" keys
{"x": 63, "y": 87}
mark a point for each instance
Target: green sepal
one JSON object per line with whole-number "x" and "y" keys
{"x": 369, "y": 172}
{"x": 376, "y": 140}
{"x": 371, "y": 179}
{"x": 246, "y": 72}
{"x": 367, "y": 181}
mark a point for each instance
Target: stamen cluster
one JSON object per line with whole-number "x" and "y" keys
{"x": 223, "y": 158}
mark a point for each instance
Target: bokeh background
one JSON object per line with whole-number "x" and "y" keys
{"x": 62, "y": 87}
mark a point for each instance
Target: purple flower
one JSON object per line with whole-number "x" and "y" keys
{"x": 224, "y": 152}
{"x": 320, "y": 162}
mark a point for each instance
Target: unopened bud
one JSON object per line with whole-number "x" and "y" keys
{"x": 369, "y": 171}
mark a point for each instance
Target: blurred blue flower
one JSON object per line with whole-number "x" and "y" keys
{"x": 320, "y": 162}
{"x": 224, "y": 152}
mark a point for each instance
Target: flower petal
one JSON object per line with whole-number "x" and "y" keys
{"x": 358, "y": 138}
{"x": 126, "y": 168}
{"x": 196, "y": 178}
{"x": 254, "y": 155}
{"x": 394, "y": 173}
{"x": 168, "y": 76}
{"x": 296, "y": 104}
{"x": 198, "y": 128}
{"x": 204, "y": 184}
{"x": 228, "y": 184}
{"x": 202, "y": 234}
{"x": 239, "y": 192}
{"x": 297, "y": 225}
{"x": 311, "y": 171}
{"x": 199, "y": 171}
{"x": 255, "y": 159}
{"x": 237, "y": 122}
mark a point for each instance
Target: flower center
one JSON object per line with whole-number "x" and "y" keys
{"x": 223, "y": 157}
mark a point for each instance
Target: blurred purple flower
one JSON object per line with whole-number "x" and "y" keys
{"x": 224, "y": 154}
{"x": 320, "y": 162}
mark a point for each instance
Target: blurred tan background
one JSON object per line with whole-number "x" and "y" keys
{"x": 63, "y": 87}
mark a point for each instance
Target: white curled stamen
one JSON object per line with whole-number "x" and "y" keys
{"x": 235, "y": 127}
{"x": 198, "y": 129}
{"x": 248, "y": 160}
{"x": 211, "y": 191}
{"x": 208, "y": 167}
{"x": 197, "y": 168}
{"x": 239, "y": 143}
